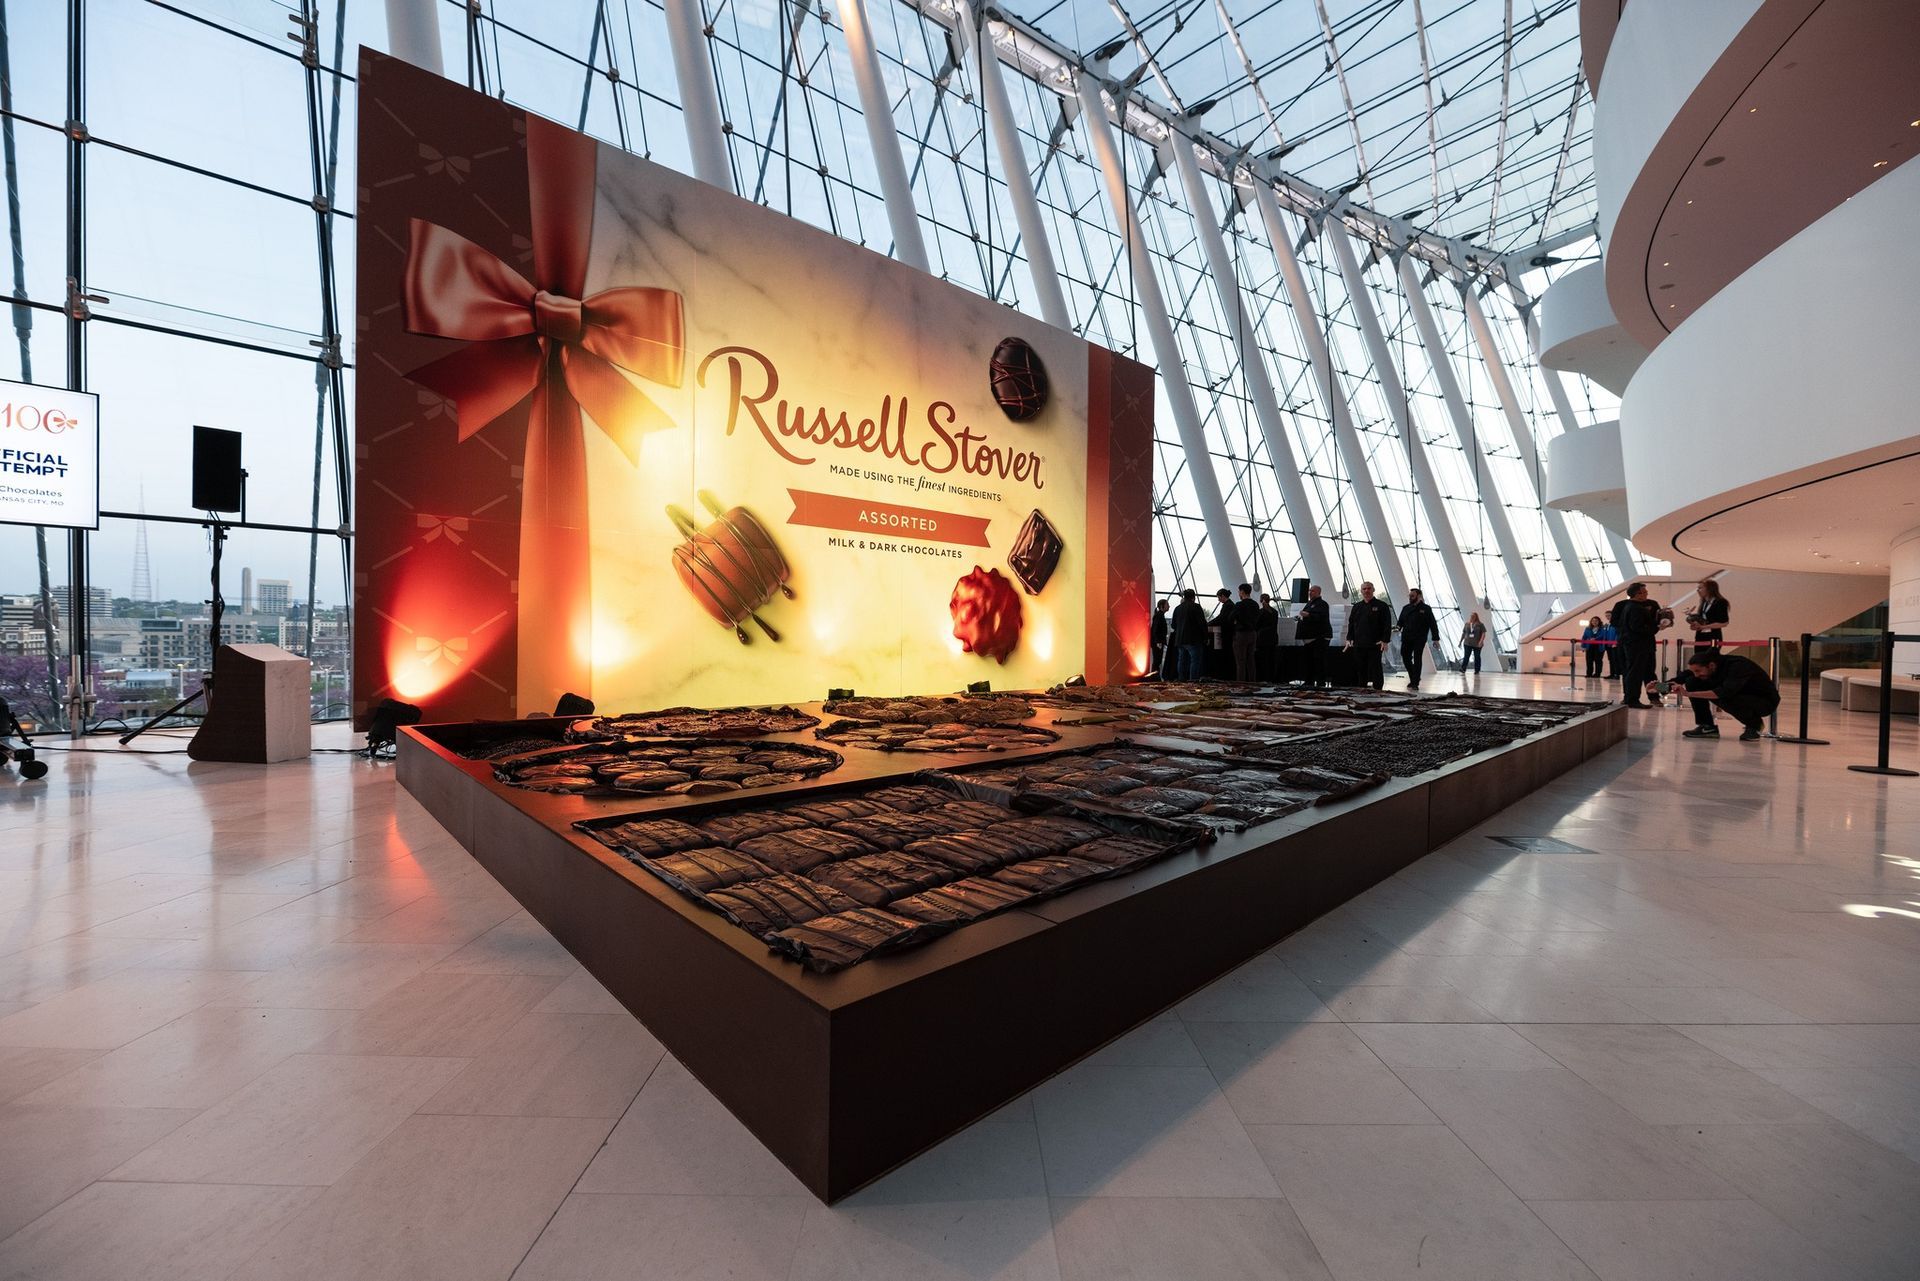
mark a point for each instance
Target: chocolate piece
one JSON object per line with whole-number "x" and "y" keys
{"x": 833, "y": 811}
{"x": 1018, "y": 378}
{"x": 803, "y": 848}
{"x": 775, "y": 902}
{"x": 965, "y": 853}
{"x": 698, "y": 871}
{"x": 688, "y": 722}
{"x": 912, "y": 737}
{"x": 829, "y": 943}
{"x": 975, "y": 813}
{"x": 651, "y": 837}
{"x": 1036, "y": 553}
{"x": 1003, "y": 843}
{"x": 703, "y": 787}
{"x": 648, "y": 780}
{"x": 1117, "y": 851}
{"x": 894, "y": 831}
{"x": 728, "y": 770}
{"x": 1054, "y": 872}
{"x": 1159, "y": 802}
{"x": 1099, "y": 782}
{"x": 732, "y": 567}
{"x": 967, "y": 899}
{"x": 877, "y": 879}
{"x": 909, "y": 797}
{"x": 731, "y": 829}
{"x": 1056, "y": 832}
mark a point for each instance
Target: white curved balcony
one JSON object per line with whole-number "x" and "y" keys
{"x": 1580, "y": 335}
{"x": 1585, "y": 474}
{"x": 1725, "y": 127}
{"x": 1777, "y": 429}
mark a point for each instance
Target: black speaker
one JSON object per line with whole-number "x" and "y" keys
{"x": 1299, "y": 591}
{"x": 217, "y": 479}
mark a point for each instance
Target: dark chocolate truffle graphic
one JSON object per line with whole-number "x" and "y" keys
{"x": 1019, "y": 379}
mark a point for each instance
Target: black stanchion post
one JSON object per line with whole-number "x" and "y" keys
{"x": 1887, "y": 640}
{"x": 1806, "y": 674}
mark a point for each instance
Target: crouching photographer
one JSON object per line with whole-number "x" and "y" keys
{"x": 1739, "y": 685}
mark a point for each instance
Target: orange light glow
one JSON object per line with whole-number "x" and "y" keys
{"x": 431, "y": 638}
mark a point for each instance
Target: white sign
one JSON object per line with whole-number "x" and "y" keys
{"x": 49, "y": 456}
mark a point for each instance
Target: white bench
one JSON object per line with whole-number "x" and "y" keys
{"x": 1833, "y": 682}
{"x": 1862, "y": 694}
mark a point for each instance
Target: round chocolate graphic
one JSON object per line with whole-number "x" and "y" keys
{"x": 1019, "y": 379}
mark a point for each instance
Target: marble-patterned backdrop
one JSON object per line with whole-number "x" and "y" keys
{"x": 845, "y": 329}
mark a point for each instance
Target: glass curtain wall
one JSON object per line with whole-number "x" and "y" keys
{"x": 180, "y": 177}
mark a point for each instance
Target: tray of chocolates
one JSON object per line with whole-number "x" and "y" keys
{"x": 692, "y": 722}
{"x": 870, "y": 869}
{"x": 1152, "y": 786}
{"x": 911, "y": 736}
{"x": 670, "y": 767}
{"x": 1402, "y": 750}
{"x": 973, "y": 709}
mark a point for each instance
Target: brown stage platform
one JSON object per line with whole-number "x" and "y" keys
{"x": 844, "y": 1076}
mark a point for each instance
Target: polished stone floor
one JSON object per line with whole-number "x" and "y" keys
{"x": 1662, "y": 1019}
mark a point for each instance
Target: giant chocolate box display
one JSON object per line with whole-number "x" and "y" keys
{"x": 860, "y": 958}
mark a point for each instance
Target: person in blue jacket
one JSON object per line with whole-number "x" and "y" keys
{"x": 1594, "y": 641}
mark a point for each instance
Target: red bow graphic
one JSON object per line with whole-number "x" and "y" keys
{"x": 540, "y": 343}
{"x": 539, "y": 337}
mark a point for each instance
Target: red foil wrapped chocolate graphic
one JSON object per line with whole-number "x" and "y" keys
{"x": 986, "y": 614}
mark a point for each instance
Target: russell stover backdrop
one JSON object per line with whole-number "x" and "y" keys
{"x": 623, "y": 434}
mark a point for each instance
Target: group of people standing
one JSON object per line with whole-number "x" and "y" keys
{"x": 1183, "y": 637}
{"x": 1738, "y": 685}
{"x": 1243, "y": 633}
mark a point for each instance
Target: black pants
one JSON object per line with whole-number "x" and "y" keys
{"x": 1702, "y": 707}
{"x": 1368, "y": 658}
{"x": 1471, "y": 654}
{"x": 1637, "y": 670}
{"x": 1594, "y": 657}
{"x": 1266, "y": 661}
{"x": 1245, "y": 646}
{"x": 1413, "y": 658}
{"x": 1316, "y": 656}
{"x": 1751, "y": 710}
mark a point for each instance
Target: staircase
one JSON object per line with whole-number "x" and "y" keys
{"x": 1765, "y": 603}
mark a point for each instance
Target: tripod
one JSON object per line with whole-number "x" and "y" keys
{"x": 216, "y": 607}
{"x": 10, "y": 728}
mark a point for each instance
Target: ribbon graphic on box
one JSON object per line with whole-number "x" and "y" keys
{"x": 541, "y": 344}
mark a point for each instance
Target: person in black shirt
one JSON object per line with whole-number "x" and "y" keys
{"x": 1246, "y": 633}
{"x": 1713, "y": 614}
{"x": 1158, "y": 657}
{"x": 1369, "y": 624}
{"x": 1267, "y": 658}
{"x": 1737, "y": 684}
{"x": 1314, "y": 631}
{"x": 1636, "y": 620}
{"x": 1220, "y": 635}
{"x": 1417, "y": 626}
{"x": 1189, "y": 626}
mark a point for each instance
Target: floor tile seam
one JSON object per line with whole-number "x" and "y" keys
{"x": 209, "y": 1183}
{"x": 805, "y": 1197}
{"x": 1477, "y": 1154}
